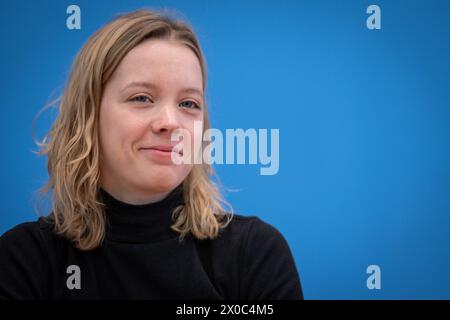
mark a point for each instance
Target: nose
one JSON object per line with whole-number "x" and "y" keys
{"x": 166, "y": 120}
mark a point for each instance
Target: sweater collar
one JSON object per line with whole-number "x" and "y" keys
{"x": 142, "y": 223}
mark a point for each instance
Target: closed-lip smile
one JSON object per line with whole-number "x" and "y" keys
{"x": 162, "y": 148}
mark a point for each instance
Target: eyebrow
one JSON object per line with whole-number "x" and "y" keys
{"x": 154, "y": 87}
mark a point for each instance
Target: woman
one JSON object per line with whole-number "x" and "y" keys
{"x": 127, "y": 222}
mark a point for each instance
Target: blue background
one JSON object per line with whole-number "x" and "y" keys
{"x": 363, "y": 116}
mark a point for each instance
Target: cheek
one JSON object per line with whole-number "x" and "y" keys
{"x": 184, "y": 170}
{"x": 195, "y": 129}
{"x": 118, "y": 130}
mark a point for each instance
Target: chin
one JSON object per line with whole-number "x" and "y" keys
{"x": 164, "y": 180}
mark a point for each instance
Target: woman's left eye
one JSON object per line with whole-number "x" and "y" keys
{"x": 189, "y": 104}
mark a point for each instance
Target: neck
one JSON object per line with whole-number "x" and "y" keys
{"x": 135, "y": 197}
{"x": 140, "y": 223}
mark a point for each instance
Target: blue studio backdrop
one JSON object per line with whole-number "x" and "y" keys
{"x": 363, "y": 117}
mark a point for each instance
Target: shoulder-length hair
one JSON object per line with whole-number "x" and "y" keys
{"x": 72, "y": 144}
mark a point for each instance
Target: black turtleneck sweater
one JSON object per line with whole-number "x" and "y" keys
{"x": 142, "y": 258}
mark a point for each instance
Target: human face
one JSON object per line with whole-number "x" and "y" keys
{"x": 156, "y": 89}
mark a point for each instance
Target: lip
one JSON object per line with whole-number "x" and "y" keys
{"x": 162, "y": 149}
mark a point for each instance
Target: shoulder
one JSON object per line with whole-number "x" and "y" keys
{"x": 27, "y": 233}
{"x": 253, "y": 237}
{"x": 252, "y": 228}
{"x": 267, "y": 266}
{"x": 28, "y": 241}
{"x": 25, "y": 260}
{"x": 32, "y": 240}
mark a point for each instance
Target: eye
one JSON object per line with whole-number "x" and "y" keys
{"x": 189, "y": 105}
{"x": 141, "y": 99}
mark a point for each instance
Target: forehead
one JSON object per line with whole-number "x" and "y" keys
{"x": 165, "y": 62}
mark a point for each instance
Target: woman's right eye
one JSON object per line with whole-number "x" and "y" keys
{"x": 141, "y": 99}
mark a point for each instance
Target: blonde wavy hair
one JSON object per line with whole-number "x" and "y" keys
{"x": 72, "y": 144}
